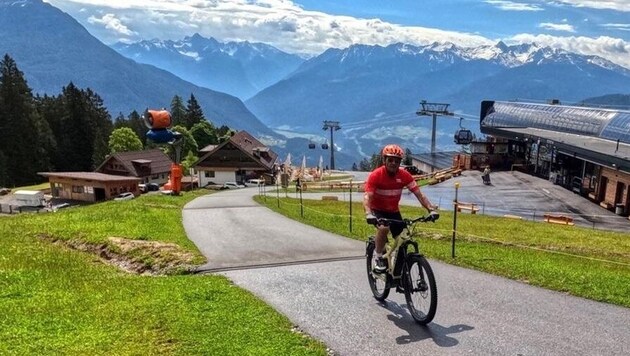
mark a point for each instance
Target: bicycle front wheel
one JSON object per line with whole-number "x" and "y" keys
{"x": 377, "y": 281}
{"x": 420, "y": 289}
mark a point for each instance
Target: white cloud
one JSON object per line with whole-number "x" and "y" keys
{"x": 280, "y": 23}
{"x": 289, "y": 27}
{"x": 613, "y": 49}
{"x": 514, "y": 6}
{"x": 619, "y": 5}
{"x": 111, "y": 23}
{"x": 557, "y": 26}
{"x": 617, "y": 26}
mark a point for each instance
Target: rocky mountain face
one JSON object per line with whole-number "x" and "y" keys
{"x": 53, "y": 49}
{"x": 238, "y": 68}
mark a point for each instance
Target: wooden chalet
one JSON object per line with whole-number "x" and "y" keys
{"x": 89, "y": 186}
{"x": 238, "y": 159}
{"x": 151, "y": 166}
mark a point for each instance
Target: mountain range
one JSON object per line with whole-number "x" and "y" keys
{"x": 373, "y": 91}
{"x": 52, "y": 49}
{"x": 238, "y": 68}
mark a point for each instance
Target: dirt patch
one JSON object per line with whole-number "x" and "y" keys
{"x": 137, "y": 256}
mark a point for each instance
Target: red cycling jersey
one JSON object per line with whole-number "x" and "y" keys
{"x": 388, "y": 189}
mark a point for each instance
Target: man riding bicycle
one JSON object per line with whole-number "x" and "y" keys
{"x": 383, "y": 190}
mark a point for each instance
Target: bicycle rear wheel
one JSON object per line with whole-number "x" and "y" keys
{"x": 420, "y": 289}
{"x": 377, "y": 281}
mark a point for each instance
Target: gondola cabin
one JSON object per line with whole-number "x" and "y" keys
{"x": 463, "y": 137}
{"x": 324, "y": 146}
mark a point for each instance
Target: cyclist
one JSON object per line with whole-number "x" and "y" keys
{"x": 383, "y": 190}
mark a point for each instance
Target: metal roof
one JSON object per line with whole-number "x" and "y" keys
{"x": 596, "y": 135}
{"x": 585, "y": 121}
{"x": 95, "y": 176}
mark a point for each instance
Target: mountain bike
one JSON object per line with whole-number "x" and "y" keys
{"x": 407, "y": 270}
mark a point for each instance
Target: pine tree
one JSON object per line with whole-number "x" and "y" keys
{"x": 136, "y": 123}
{"x": 102, "y": 125}
{"x": 178, "y": 111}
{"x": 85, "y": 126}
{"x": 21, "y": 127}
{"x": 194, "y": 114}
{"x": 120, "y": 121}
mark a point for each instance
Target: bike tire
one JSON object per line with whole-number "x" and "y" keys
{"x": 420, "y": 289}
{"x": 378, "y": 282}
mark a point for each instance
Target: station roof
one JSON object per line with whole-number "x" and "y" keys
{"x": 597, "y": 135}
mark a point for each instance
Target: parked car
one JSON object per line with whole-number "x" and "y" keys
{"x": 142, "y": 188}
{"x": 255, "y": 182}
{"x": 153, "y": 187}
{"x": 125, "y": 196}
{"x": 60, "y": 206}
{"x": 5, "y": 191}
{"x": 232, "y": 185}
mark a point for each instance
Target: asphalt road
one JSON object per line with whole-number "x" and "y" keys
{"x": 318, "y": 280}
{"x": 511, "y": 193}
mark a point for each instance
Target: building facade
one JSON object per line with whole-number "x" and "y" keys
{"x": 584, "y": 149}
{"x": 238, "y": 159}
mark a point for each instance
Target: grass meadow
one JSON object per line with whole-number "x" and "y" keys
{"x": 64, "y": 288}
{"x": 589, "y": 263}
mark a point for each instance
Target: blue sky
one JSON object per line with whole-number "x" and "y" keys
{"x": 311, "y": 26}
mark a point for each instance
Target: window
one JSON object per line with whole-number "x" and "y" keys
{"x": 77, "y": 189}
{"x": 209, "y": 174}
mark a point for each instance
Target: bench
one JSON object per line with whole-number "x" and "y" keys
{"x": 558, "y": 219}
{"x": 606, "y": 205}
{"x": 472, "y": 207}
{"x": 330, "y": 197}
{"x": 509, "y": 216}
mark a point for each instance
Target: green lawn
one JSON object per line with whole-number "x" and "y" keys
{"x": 594, "y": 264}
{"x": 55, "y": 299}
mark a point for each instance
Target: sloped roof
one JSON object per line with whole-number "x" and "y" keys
{"x": 248, "y": 144}
{"x": 158, "y": 161}
{"x": 95, "y": 176}
{"x": 208, "y": 148}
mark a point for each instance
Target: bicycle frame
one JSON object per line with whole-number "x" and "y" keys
{"x": 407, "y": 270}
{"x": 403, "y": 240}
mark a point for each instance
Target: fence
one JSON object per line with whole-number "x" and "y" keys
{"x": 603, "y": 222}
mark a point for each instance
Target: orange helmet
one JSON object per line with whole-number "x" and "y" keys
{"x": 393, "y": 151}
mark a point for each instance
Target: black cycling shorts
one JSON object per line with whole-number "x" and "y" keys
{"x": 395, "y": 227}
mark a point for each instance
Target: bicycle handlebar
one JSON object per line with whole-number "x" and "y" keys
{"x": 432, "y": 217}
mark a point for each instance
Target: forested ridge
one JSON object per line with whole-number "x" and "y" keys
{"x": 73, "y": 131}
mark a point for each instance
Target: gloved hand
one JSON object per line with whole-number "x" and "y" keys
{"x": 371, "y": 219}
{"x": 433, "y": 216}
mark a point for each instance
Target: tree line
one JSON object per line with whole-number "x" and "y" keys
{"x": 73, "y": 131}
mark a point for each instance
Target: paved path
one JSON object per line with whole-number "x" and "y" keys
{"x": 478, "y": 314}
{"x": 231, "y": 230}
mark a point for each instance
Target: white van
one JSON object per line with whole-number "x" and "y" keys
{"x": 29, "y": 198}
{"x": 255, "y": 182}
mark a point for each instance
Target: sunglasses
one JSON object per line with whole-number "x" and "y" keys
{"x": 390, "y": 159}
